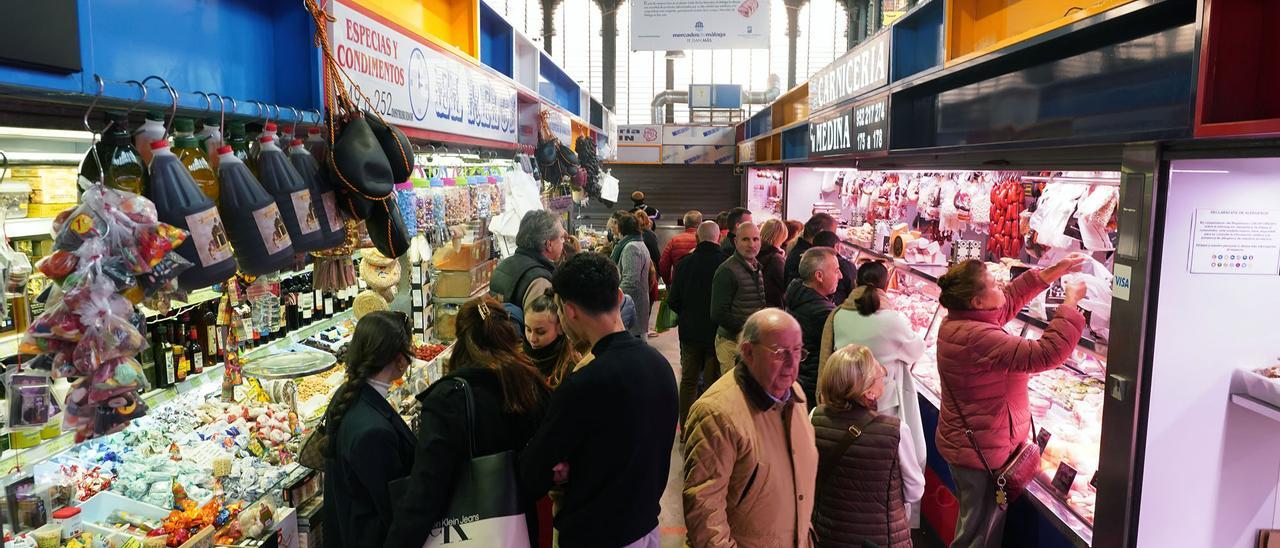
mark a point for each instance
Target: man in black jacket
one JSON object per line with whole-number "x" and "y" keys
{"x": 848, "y": 271}
{"x": 612, "y": 420}
{"x": 818, "y": 223}
{"x": 526, "y": 274}
{"x": 808, "y": 301}
{"x": 737, "y": 216}
{"x": 690, "y": 299}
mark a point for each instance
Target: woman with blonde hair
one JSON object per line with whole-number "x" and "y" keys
{"x": 868, "y": 479}
{"x": 773, "y": 233}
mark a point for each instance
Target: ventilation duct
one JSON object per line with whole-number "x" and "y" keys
{"x": 674, "y": 96}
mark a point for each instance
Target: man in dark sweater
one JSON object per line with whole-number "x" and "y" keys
{"x": 808, "y": 300}
{"x": 526, "y": 274}
{"x": 817, "y": 223}
{"x": 737, "y": 216}
{"x": 612, "y": 421}
{"x": 737, "y": 292}
{"x": 689, "y": 298}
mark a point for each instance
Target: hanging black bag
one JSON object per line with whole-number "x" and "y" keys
{"x": 395, "y": 146}
{"x": 386, "y": 229}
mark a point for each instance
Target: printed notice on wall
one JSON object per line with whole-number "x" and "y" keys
{"x": 699, "y": 24}
{"x": 1235, "y": 241}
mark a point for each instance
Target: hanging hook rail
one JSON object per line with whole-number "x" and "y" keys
{"x": 173, "y": 95}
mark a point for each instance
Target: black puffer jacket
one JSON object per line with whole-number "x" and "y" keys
{"x": 811, "y": 310}
{"x": 860, "y": 496}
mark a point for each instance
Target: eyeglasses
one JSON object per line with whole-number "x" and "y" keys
{"x": 798, "y": 354}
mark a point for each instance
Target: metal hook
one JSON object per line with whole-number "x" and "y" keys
{"x": 101, "y": 87}
{"x": 93, "y": 139}
{"x": 261, "y": 108}
{"x": 208, "y": 103}
{"x": 319, "y": 115}
{"x": 277, "y": 118}
{"x": 4, "y": 166}
{"x": 222, "y": 111}
{"x": 173, "y": 94}
{"x": 297, "y": 115}
{"x": 234, "y": 106}
{"x": 141, "y": 100}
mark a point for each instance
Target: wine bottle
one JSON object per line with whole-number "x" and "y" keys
{"x": 195, "y": 353}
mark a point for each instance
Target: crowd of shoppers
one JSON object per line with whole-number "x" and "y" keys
{"x": 795, "y": 410}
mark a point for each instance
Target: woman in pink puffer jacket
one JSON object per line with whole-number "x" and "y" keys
{"x": 984, "y": 372}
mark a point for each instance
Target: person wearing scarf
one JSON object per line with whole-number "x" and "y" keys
{"x": 545, "y": 341}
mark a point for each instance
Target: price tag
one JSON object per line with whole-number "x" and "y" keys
{"x": 417, "y": 298}
{"x": 1042, "y": 438}
{"x": 415, "y": 274}
{"x": 1063, "y": 478}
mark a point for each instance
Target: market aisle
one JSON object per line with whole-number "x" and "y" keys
{"x": 671, "y": 520}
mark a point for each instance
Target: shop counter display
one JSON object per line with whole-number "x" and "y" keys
{"x": 194, "y": 462}
{"x": 1066, "y": 403}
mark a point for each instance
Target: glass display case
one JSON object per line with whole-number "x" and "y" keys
{"x": 1066, "y": 403}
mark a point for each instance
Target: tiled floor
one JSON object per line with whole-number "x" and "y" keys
{"x": 671, "y": 520}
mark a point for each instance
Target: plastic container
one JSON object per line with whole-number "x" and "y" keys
{"x": 210, "y": 136}
{"x": 69, "y": 518}
{"x": 180, "y": 203}
{"x": 316, "y": 145}
{"x": 122, "y": 166}
{"x": 151, "y": 130}
{"x": 15, "y": 199}
{"x": 323, "y": 198}
{"x": 187, "y": 147}
{"x": 255, "y": 146}
{"x": 254, "y": 225}
{"x": 292, "y": 196}
{"x": 239, "y": 142}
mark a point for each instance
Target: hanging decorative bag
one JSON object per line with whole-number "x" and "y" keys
{"x": 362, "y": 162}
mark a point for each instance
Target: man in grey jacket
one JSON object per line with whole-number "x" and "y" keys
{"x": 737, "y": 292}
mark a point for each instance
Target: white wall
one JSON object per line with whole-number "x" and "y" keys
{"x": 1211, "y": 468}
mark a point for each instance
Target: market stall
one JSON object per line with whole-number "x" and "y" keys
{"x": 181, "y": 288}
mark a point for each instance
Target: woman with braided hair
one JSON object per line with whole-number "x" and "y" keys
{"x": 509, "y": 396}
{"x": 367, "y": 444}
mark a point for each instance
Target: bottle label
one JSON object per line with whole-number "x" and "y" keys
{"x": 328, "y": 305}
{"x": 307, "y": 221}
{"x": 213, "y": 341}
{"x": 306, "y": 302}
{"x": 209, "y": 237}
{"x": 197, "y": 362}
{"x": 330, "y": 202}
{"x": 274, "y": 234}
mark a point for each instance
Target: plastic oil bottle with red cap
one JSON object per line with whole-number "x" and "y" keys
{"x": 187, "y": 147}
{"x": 180, "y": 202}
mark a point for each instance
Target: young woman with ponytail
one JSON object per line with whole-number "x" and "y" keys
{"x": 367, "y": 444}
{"x": 510, "y": 397}
{"x": 866, "y": 319}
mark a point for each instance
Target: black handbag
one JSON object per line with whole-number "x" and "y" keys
{"x": 484, "y": 509}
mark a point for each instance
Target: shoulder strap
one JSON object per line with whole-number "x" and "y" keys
{"x": 462, "y": 384}
{"x": 833, "y": 455}
{"x": 968, "y": 432}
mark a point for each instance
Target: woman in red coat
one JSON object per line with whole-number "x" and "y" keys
{"x": 984, "y": 373}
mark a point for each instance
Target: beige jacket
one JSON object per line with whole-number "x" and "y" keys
{"x": 749, "y": 468}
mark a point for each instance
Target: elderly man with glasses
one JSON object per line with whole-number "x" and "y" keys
{"x": 750, "y": 458}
